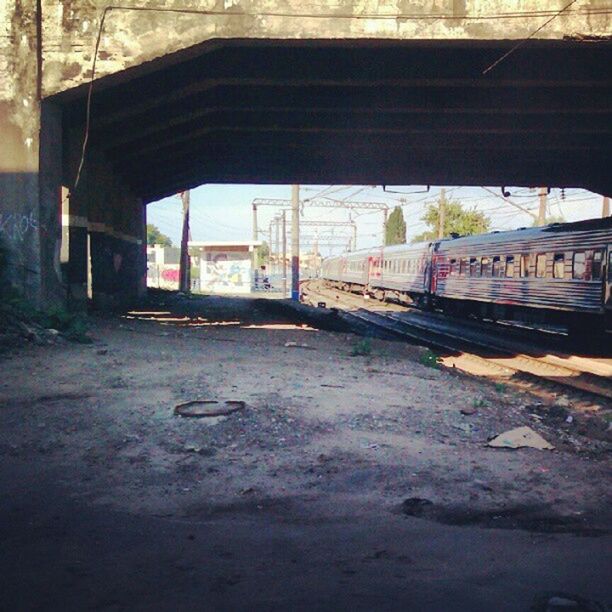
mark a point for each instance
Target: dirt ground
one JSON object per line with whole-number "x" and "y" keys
{"x": 348, "y": 482}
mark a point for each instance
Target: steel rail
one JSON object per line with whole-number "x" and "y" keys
{"x": 504, "y": 354}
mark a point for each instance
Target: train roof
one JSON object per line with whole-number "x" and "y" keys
{"x": 396, "y": 248}
{"x": 531, "y": 233}
{"x": 527, "y": 233}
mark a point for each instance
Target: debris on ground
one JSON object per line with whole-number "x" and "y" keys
{"x": 208, "y": 408}
{"x": 298, "y": 345}
{"x": 519, "y": 438}
{"x": 566, "y": 602}
{"x": 19, "y": 321}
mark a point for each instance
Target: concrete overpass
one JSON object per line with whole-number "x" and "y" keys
{"x": 279, "y": 92}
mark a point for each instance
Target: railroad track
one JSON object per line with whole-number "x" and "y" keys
{"x": 509, "y": 356}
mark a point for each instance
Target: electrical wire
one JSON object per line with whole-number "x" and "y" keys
{"x": 525, "y": 40}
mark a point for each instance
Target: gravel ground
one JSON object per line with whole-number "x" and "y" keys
{"x": 339, "y": 463}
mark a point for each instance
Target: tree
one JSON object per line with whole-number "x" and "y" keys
{"x": 550, "y": 220}
{"x": 457, "y": 220}
{"x": 395, "y": 230}
{"x": 262, "y": 252}
{"x": 154, "y": 236}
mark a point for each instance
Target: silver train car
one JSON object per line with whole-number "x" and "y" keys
{"x": 560, "y": 273}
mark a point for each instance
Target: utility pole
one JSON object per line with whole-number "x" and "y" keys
{"x": 441, "y": 213}
{"x": 385, "y": 215}
{"x": 295, "y": 242}
{"x": 277, "y": 220}
{"x": 270, "y": 247}
{"x": 605, "y": 209}
{"x": 354, "y": 248}
{"x": 184, "y": 266}
{"x": 284, "y": 235}
{"x": 543, "y": 205}
{"x": 255, "y": 222}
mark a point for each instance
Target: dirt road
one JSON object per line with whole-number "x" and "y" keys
{"x": 351, "y": 479}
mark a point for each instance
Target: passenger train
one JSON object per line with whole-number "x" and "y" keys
{"x": 560, "y": 273}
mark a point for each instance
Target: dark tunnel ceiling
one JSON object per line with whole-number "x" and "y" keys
{"x": 369, "y": 112}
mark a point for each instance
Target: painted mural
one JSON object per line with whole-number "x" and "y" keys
{"x": 223, "y": 272}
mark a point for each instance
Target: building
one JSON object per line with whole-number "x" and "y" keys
{"x": 223, "y": 267}
{"x": 163, "y": 263}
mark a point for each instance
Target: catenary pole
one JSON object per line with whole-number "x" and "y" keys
{"x": 295, "y": 242}
{"x": 284, "y": 236}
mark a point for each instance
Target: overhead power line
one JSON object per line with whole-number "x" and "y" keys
{"x": 518, "y": 206}
{"x": 524, "y": 40}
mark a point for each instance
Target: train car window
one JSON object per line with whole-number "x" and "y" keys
{"x": 452, "y": 267}
{"x": 463, "y": 266}
{"x": 524, "y": 266}
{"x": 509, "y": 272}
{"x": 596, "y": 267}
{"x": 610, "y": 266}
{"x": 497, "y": 266}
{"x": 485, "y": 266}
{"x": 579, "y": 266}
{"x": 559, "y": 265}
{"x": 474, "y": 266}
{"x": 541, "y": 265}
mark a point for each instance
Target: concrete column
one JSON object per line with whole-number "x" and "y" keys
{"x": 50, "y": 205}
{"x": 118, "y": 265}
{"x": 116, "y": 224}
{"x": 30, "y": 200}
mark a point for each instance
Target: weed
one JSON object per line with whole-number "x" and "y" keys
{"x": 501, "y": 387}
{"x": 362, "y": 347}
{"x": 430, "y": 359}
{"x": 479, "y": 403}
{"x": 15, "y": 308}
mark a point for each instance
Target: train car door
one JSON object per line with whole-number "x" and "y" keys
{"x": 429, "y": 276}
{"x": 373, "y": 268}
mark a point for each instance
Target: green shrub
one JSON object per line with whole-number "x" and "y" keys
{"x": 362, "y": 347}
{"x": 430, "y": 359}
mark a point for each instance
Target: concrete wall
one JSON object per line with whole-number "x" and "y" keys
{"x": 131, "y": 37}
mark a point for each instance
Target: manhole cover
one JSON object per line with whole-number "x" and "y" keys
{"x": 208, "y": 408}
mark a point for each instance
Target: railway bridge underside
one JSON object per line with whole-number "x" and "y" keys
{"x": 317, "y": 111}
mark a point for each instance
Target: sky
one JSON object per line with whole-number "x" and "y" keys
{"x": 224, "y": 212}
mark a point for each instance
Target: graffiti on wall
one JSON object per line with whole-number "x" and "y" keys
{"x": 163, "y": 276}
{"x": 225, "y": 273}
{"x": 16, "y": 227}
